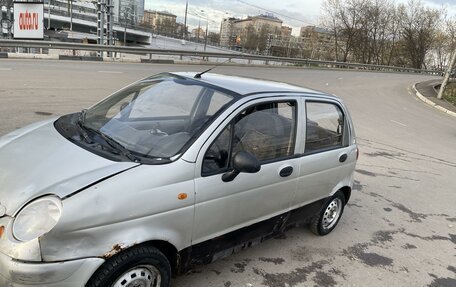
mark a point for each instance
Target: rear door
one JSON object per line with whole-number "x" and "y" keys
{"x": 327, "y": 152}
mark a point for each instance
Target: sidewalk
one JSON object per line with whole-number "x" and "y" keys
{"x": 427, "y": 93}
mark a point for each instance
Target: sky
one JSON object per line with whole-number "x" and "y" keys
{"x": 293, "y": 13}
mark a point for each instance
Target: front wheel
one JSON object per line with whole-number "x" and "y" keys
{"x": 139, "y": 266}
{"x": 328, "y": 217}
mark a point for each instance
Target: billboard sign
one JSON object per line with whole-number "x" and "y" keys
{"x": 28, "y": 20}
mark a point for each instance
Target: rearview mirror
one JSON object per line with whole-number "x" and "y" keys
{"x": 242, "y": 162}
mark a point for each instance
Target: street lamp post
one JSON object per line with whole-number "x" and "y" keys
{"x": 125, "y": 26}
{"x": 126, "y": 13}
{"x": 71, "y": 15}
{"x": 199, "y": 28}
{"x": 49, "y": 14}
{"x": 207, "y": 28}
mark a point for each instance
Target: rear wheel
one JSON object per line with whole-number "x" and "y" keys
{"x": 328, "y": 217}
{"x": 139, "y": 266}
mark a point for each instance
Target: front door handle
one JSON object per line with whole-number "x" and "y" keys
{"x": 343, "y": 157}
{"x": 286, "y": 171}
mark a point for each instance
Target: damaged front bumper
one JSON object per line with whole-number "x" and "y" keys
{"x": 74, "y": 273}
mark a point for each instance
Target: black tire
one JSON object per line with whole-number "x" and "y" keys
{"x": 133, "y": 258}
{"x": 323, "y": 222}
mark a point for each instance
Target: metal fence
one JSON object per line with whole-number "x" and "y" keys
{"x": 207, "y": 55}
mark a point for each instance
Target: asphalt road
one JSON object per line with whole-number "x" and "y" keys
{"x": 399, "y": 228}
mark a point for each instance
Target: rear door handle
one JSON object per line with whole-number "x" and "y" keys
{"x": 343, "y": 157}
{"x": 286, "y": 171}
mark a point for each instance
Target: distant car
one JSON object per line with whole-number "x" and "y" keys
{"x": 174, "y": 170}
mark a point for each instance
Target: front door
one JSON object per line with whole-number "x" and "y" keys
{"x": 268, "y": 131}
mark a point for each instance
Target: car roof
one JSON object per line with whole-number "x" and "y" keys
{"x": 246, "y": 86}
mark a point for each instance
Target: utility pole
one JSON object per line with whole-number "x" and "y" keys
{"x": 109, "y": 23}
{"x": 207, "y": 28}
{"x": 205, "y": 40}
{"x": 446, "y": 78}
{"x": 199, "y": 28}
{"x": 49, "y": 14}
{"x": 126, "y": 12}
{"x": 184, "y": 33}
{"x": 100, "y": 24}
{"x": 71, "y": 15}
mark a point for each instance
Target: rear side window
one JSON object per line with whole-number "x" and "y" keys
{"x": 324, "y": 127}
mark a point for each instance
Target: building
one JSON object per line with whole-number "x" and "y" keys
{"x": 232, "y": 28}
{"x": 198, "y": 33}
{"x": 128, "y": 11}
{"x": 318, "y": 43}
{"x": 274, "y": 24}
{"x": 161, "y": 22}
{"x": 152, "y": 18}
{"x": 227, "y": 33}
{"x": 285, "y": 32}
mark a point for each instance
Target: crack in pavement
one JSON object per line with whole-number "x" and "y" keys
{"x": 394, "y": 155}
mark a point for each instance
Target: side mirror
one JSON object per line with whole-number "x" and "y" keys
{"x": 242, "y": 162}
{"x": 124, "y": 105}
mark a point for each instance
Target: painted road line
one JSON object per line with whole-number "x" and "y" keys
{"x": 404, "y": 125}
{"x": 5, "y": 69}
{"x": 110, "y": 72}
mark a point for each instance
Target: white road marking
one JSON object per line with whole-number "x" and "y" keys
{"x": 5, "y": 69}
{"x": 110, "y": 72}
{"x": 404, "y": 125}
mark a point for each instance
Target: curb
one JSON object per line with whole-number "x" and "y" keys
{"x": 31, "y": 56}
{"x": 80, "y": 58}
{"x": 157, "y": 61}
{"x": 431, "y": 103}
{"x": 6, "y": 55}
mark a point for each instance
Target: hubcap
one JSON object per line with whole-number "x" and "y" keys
{"x": 140, "y": 276}
{"x": 332, "y": 213}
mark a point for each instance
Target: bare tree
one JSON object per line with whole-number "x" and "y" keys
{"x": 214, "y": 37}
{"x": 382, "y": 32}
{"x": 419, "y": 26}
{"x": 330, "y": 21}
{"x": 265, "y": 30}
{"x": 250, "y": 38}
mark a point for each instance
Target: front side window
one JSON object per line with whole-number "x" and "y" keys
{"x": 324, "y": 127}
{"x": 266, "y": 130}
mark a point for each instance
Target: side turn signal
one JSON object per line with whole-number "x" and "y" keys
{"x": 182, "y": 196}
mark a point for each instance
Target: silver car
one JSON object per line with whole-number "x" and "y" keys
{"x": 174, "y": 170}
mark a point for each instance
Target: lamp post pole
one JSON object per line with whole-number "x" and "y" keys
{"x": 49, "y": 14}
{"x": 207, "y": 27}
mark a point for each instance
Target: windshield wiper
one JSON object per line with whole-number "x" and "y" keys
{"x": 82, "y": 128}
{"x": 114, "y": 144}
{"x": 109, "y": 140}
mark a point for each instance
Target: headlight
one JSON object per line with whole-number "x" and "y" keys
{"x": 37, "y": 218}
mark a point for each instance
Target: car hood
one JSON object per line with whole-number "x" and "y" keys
{"x": 37, "y": 160}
